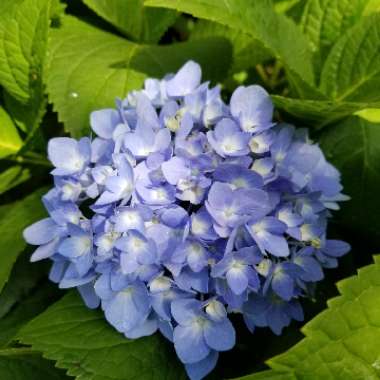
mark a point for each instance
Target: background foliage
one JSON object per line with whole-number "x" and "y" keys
{"x": 320, "y": 60}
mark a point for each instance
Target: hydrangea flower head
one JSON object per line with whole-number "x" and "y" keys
{"x": 184, "y": 209}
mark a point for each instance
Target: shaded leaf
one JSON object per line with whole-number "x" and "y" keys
{"x": 247, "y": 52}
{"x": 18, "y": 216}
{"x": 353, "y": 146}
{"x": 22, "y": 281}
{"x": 24, "y": 364}
{"x": 29, "y": 308}
{"x": 13, "y": 177}
{"x": 89, "y": 68}
{"x": 258, "y": 19}
{"x": 69, "y": 333}
{"x": 133, "y": 19}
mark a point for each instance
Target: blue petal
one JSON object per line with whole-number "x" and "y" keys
{"x": 188, "y": 280}
{"x": 83, "y": 263}
{"x": 276, "y": 245}
{"x": 75, "y": 246}
{"x": 253, "y": 107}
{"x": 65, "y": 155}
{"x": 103, "y": 122}
{"x": 185, "y": 81}
{"x": 103, "y": 287}
{"x": 145, "y": 328}
{"x": 237, "y": 280}
{"x": 220, "y": 336}
{"x": 283, "y": 285}
{"x": 312, "y": 269}
{"x": 146, "y": 113}
{"x": 189, "y": 343}
{"x": 166, "y": 329}
{"x": 89, "y": 296}
{"x": 277, "y": 319}
{"x": 175, "y": 169}
{"x": 41, "y": 232}
{"x": 184, "y": 310}
{"x": 336, "y": 248}
{"x": 46, "y": 250}
{"x": 124, "y": 312}
{"x": 57, "y": 270}
{"x": 197, "y": 371}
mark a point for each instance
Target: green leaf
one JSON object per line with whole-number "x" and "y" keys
{"x": 317, "y": 113}
{"x": 370, "y": 114}
{"x": 247, "y": 52}
{"x": 258, "y": 19}
{"x": 324, "y": 21}
{"x": 89, "y": 68}
{"x": 133, "y": 19}
{"x": 81, "y": 341}
{"x": 352, "y": 69}
{"x": 24, "y": 364}
{"x": 7, "y": 8}
{"x": 283, "y": 6}
{"x": 13, "y": 177}
{"x": 353, "y": 146}
{"x": 22, "y": 282}
{"x": 342, "y": 342}
{"x": 10, "y": 141}
{"x": 29, "y": 308}
{"x": 18, "y": 216}
{"x": 23, "y": 40}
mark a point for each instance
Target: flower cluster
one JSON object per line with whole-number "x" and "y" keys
{"x": 185, "y": 209}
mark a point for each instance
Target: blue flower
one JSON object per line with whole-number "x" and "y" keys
{"x": 282, "y": 279}
{"x": 271, "y": 311}
{"x": 237, "y": 268}
{"x": 128, "y": 309}
{"x": 227, "y": 139}
{"x": 68, "y": 155}
{"x": 268, "y": 234}
{"x": 187, "y": 79}
{"x": 199, "y": 332}
{"x": 253, "y": 108}
{"x": 181, "y": 210}
{"x": 78, "y": 248}
{"x": 230, "y": 208}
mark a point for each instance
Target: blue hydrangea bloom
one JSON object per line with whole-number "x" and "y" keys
{"x": 182, "y": 209}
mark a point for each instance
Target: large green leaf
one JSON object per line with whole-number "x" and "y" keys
{"x": 23, "y": 39}
{"x": 81, "y": 341}
{"x": 352, "y": 69}
{"x": 89, "y": 68}
{"x": 318, "y": 112}
{"x": 247, "y": 52}
{"x": 10, "y": 141}
{"x": 22, "y": 282}
{"x": 24, "y": 364}
{"x": 324, "y": 21}
{"x": 341, "y": 343}
{"x": 12, "y": 222}
{"x": 354, "y": 147}
{"x": 258, "y": 19}
{"x": 30, "y": 307}
{"x": 133, "y": 19}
